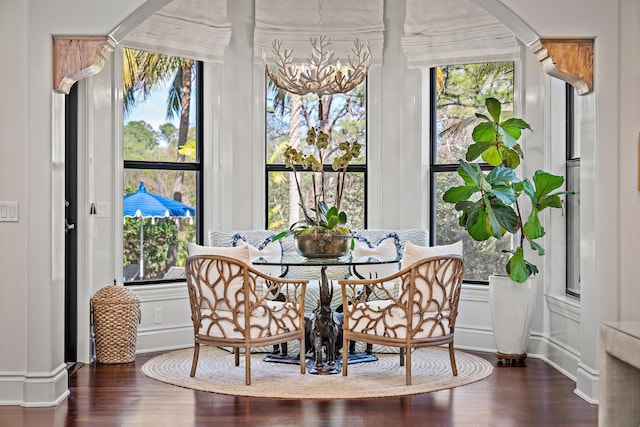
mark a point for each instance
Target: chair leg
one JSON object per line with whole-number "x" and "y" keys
{"x": 303, "y": 359}
{"x": 194, "y": 364}
{"x": 247, "y": 363}
{"x": 401, "y": 356}
{"x": 408, "y": 367}
{"x": 345, "y": 355}
{"x": 452, "y": 357}
{"x": 236, "y": 356}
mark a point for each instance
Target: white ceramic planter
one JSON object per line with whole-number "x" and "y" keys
{"x": 512, "y": 306}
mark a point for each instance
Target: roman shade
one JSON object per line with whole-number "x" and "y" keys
{"x": 295, "y": 22}
{"x": 195, "y": 29}
{"x": 448, "y": 32}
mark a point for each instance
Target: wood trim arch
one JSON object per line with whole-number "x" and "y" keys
{"x": 570, "y": 60}
{"x": 78, "y": 57}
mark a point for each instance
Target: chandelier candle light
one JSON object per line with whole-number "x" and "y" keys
{"x": 322, "y": 74}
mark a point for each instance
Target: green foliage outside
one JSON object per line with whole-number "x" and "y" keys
{"x": 288, "y": 118}
{"x": 165, "y": 239}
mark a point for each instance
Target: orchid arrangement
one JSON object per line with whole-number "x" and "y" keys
{"x": 319, "y": 214}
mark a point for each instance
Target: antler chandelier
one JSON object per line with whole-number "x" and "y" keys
{"x": 321, "y": 74}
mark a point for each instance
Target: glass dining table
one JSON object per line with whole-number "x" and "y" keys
{"x": 323, "y": 329}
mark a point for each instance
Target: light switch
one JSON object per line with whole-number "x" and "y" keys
{"x": 102, "y": 209}
{"x": 9, "y": 211}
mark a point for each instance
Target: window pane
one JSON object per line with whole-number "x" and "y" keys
{"x": 152, "y": 129}
{"x": 481, "y": 259}
{"x": 283, "y": 193}
{"x": 289, "y": 117}
{"x": 164, "y": 239}
{"x": 461, "y": 93}
{"x": 161, "y": 144}
{"x": 572, "y": 204}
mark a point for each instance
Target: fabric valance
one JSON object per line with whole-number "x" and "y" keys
{"x": 295, "y": 22}
{"x": 196, "y": 29}
{"x": 448, "y": 32}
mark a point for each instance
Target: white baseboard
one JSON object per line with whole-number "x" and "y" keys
{"x": 34, "y": 389}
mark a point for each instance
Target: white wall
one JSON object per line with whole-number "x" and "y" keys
{"x": 629, "y": 161}
{"x": 31, "y": 307}
{"x": 32, "y": 369}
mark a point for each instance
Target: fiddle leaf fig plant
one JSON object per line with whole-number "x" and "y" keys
{"x": 490, "y": 203}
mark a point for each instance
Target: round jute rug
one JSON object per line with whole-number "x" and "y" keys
{"x": 216, "y": 373}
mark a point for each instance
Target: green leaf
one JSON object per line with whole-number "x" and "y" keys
{"x": 332, "y": 212}
{"x": 513, "y": 127}
{"x": 536, "y": 247}
{"x": 518, "y": 150}
{"x": 517, "y": 267}
{"x": 528, "y": 189}
{"x": 464, "y": 205}
{"x": 551, "y": 201}
{"x": 455, "y": 194}
{"x": 323, "y": 208}
{"x": 477, "y": 225}
{"x": 504, "y": 193}
{"x": 464, "y": 174}
{"x": 506, "y": 138}
{"x": 475, "y": 150}
{"x": 507, "y": 217}
{"x": 545, "y": 182}
{"x": 514, "y": 123}
{"x": 473, "y": 172}
{"x": 342, "y": 218}
{"x": 501, "y": 175}
{"x": 533, "y": 229}
{"x": 484, "y": 132}
{"x": 511, "y": 157}
{"x": 483, "y": 117}
{"x": 492, "y": 222}
{"x": 494, "y": 107}
{"x": 492, "y": 156}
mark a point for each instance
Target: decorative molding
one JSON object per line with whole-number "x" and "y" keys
{"x": 78, "y": 57}
{"x": 570, "y": 60}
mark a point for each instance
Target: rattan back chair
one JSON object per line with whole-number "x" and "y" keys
{"x": 235, "y": 306}
{"x": 423, "y": 312}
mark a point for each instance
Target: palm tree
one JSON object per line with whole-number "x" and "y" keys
{"x": 143, "y": 73}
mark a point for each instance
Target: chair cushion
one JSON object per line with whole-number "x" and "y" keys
{"x": 384, "y": 318}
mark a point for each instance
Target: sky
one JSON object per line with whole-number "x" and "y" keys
{"x": 154, "y": 109}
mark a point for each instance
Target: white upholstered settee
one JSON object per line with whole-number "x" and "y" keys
{"x": 385, "y": 244}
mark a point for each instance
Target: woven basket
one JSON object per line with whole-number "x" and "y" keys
{"x": 116, "y": 315}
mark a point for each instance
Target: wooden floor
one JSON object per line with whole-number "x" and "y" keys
{"x": 120, "y": 395}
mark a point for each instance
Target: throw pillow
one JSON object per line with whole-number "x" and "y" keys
{"x": 414, "y": 253}
{"x": 385, "y": 250}
{"x": 240, "y": 253}
{"x": 270, "y": 252}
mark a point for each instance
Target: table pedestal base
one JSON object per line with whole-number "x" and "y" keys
{"x": 326, "y": 368}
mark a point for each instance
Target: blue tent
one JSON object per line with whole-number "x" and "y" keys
{"x": 143, "y": 204}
